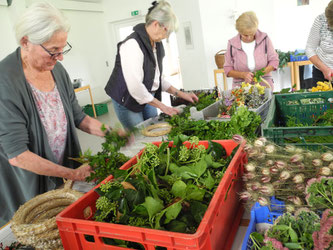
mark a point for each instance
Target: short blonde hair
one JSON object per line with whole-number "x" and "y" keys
{"x": 39, "y": 22}
{"x": 329, "y": 14}
{"x": 247, "y": 21}
{"x": 162, "y": 12}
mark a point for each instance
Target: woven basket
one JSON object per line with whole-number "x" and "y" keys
{"x": 219, "y": 58}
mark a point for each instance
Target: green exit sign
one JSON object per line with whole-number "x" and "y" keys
{"x": 135, "y": 13}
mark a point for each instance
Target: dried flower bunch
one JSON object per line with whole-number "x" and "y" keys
{"x": 283, "y": 172}
{"x": 250, "y": 95}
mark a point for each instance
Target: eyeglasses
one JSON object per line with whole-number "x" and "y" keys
{"x": 165, "y": 28}
{"x": 56, "y": 54}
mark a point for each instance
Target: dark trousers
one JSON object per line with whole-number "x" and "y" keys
{"x": 317, "y": 76}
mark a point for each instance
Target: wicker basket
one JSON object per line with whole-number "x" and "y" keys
{"x": 219, "y": 58}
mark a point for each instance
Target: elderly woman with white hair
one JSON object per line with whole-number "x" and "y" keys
{"x": 39, "y": 112}
{"x": 137, "y": 81}
{"x": 249, "y": 51}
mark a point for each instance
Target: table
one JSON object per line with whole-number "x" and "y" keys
{"x": 225, "y": 84}
{"x": 87, "y": 87}
{"x": 296, "y": 72}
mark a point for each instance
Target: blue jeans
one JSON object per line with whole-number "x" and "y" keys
{"x": 129, "y": 118}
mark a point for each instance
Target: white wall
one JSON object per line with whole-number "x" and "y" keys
{"x": 212, "y": 23}
{"x": 287, "y": 25}
{"x": 87, "y": 59}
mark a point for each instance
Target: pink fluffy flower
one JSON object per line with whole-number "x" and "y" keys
{"x": 276, "y": 244}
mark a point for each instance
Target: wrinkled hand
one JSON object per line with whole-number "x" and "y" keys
{"x": 122, "y": 132}
{"x": 191, "y": 97}
{"x": 169, "y": 110}
{"x": 248, "y": 77}
{"x": 328, "y": 73}
{"x": 81, "y": 173}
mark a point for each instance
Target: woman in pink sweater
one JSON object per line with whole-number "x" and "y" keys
{"x": 249, "y": 51}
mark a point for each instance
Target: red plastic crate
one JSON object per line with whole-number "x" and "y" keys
{"x": 216, "y": 230}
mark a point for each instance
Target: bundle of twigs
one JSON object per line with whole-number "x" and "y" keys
{"x": 34, "y": 223}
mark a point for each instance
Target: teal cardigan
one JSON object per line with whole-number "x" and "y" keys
{"x": 21, "y": 129}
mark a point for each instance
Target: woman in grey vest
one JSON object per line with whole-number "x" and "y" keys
{"x": 136, "y": 82}
{"x": 39, "y": 112}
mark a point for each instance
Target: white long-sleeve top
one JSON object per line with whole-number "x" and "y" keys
{"x": 131, "y": 58}
{"x": 320, "y": 41}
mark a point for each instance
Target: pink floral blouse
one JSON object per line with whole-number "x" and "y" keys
{"x": 52, "y": 115}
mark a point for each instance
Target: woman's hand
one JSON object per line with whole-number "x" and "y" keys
{"x": 169, "y": 110}
{"x": 81, "y": 173}
{"x": 191, "y": 97}
{"x": 248, "y": 77}
{"x": 328, "y": 72}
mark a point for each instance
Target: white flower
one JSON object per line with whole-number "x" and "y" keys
{"x": 326, "y": 171}
{"x": 274, "y": 170}
{"x": 280, "y": 164}
{"x": 265, "y": 179}
{"x": 290, "y": 148}
{"x": 255, "y": 186}
{"x": 249, "y": 175}
{"x": 299, "y": 150}
{"x": 331, "y": 165}
{"x": 327, "y": 157}
{"x": 300, "y": 187}
{"x": 261, "y": 156}
{"x": 252, "y": 153}
{"x": 309, "y": 154}
{"x": 317, "y": 162}
{"x": 247, "y": 147}
{"x": 285, "y": 175}
{"x": 245, "y": 195}
{"x": 290, "y": 208}
{"x": 270, "y": 149}
{"x": 250, "y": 167}
{"x": 263, "y": 139}
{"x": 299, "y": 178}
{"x": 296, "y": 200}
{"x": 269, "y": 163}
{"x": 263, "y": 201}
{"x": 267, "y": 189}
{"x": 296, "y": 158}
{"x": 259, "y": 143}
{"x": 265, "y": 171}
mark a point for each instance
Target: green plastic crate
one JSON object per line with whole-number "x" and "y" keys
{"x": 297, "y": 105}
{"x": 100, "y": 109}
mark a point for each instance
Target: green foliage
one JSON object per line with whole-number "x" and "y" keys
{"x": 320, "y": 193}
{"x": 284, "y": 58}
{"x": 295, "y": 232}
{"x": 172, "y": 195}
{"x": 324, "y": 120}
{"x": 243, "y": 122}
{"x": 108, "y": 159}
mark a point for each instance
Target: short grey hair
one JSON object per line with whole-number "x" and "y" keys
{"x": 39, "y": 22}
{"x": 162, "y": 12}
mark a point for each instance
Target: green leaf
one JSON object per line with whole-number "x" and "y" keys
{"x": 141, "y": 210}
{"x": 179, "y": 189}
{"x": 184, "y": 172}
{"x": 216, "y": 150}
{"x": 172, "y": 211}
{"x": 293, "y": 245}
{"x": 153, "y": 206}
{"x": 194, "y": 193}
{"x": 200, "y": 167}
{"x": 198, "y": 210}
{"x": 293, "y": 235}
{"x": 152, "y": 177}
{"x": 176, "y": 226}
{"x": 209, "y": 182}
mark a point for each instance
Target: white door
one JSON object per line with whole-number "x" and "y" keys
{"x": 119, "y": 30}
